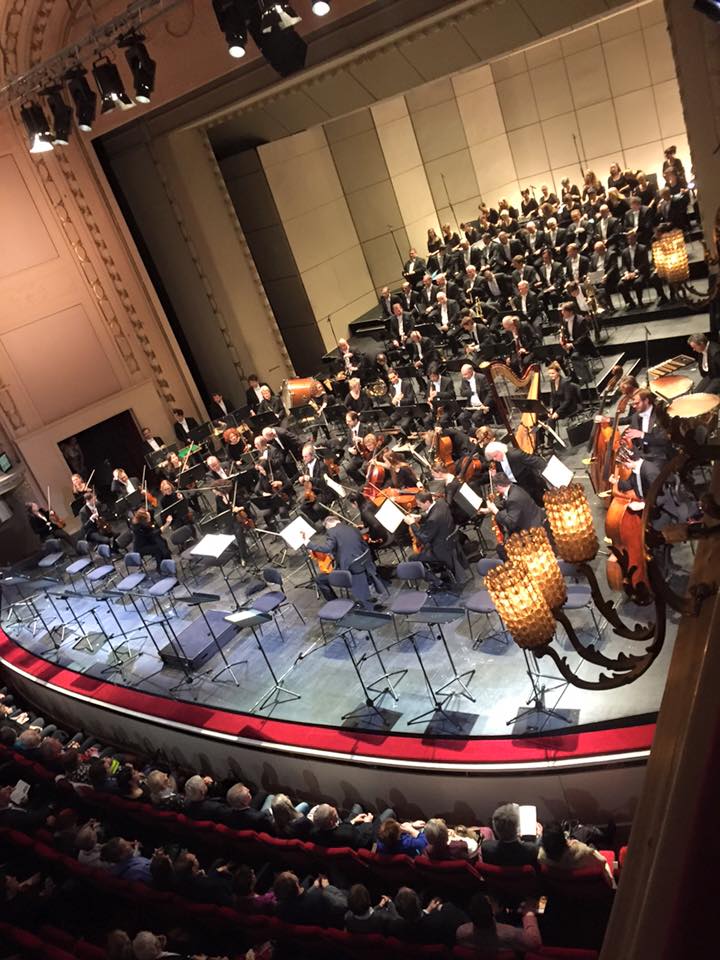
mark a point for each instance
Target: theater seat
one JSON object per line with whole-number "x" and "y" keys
{"x": 562, "y": 953}
{"x": 509, "y": 883}
{"x": 391, "y": 870}
{"x": 450, "y": 876}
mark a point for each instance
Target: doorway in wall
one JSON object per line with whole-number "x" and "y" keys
{"x": 115, "y": 442}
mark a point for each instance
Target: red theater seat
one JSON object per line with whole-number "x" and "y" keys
{"x": 509, "y": 883}
{"x": 392, "y": 871}
{"x": 450, "y": 876}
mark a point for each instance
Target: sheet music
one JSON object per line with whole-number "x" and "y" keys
{"x": 336, "y": 487}
{"x": 293, "y": 533}
{"x": 556, "y": 473}
{"x": 469, "y": 494}
{"x": 390, "y": 516}
{"x": 213, "y": 545}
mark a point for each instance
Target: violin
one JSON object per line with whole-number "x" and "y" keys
{"x": 309, "y": 494}
{"x": 56, "y": 519}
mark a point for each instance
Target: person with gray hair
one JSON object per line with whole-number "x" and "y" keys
{"x": 151, "y": 946}
{"x": 247, "y": 812}
{"x": 197, "y": 804}
{"x": 708, "y": 363}
{"x": 357, "y": 830}
{"x": 507, "y": 849}
{"x": 525, "y": 469}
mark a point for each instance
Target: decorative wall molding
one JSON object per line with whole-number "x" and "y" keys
{"x": 232, "y": 214}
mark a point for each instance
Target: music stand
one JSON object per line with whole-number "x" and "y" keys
{"x": 367, "y": 621}
{"x": 262, "y": 420}
{"x": 292, "y": 534}
{"x": 434, "y": 617}
{"x": 200, "y": 434}
{"x": 253, "y": 618}
{"x": 35, "y": 614}
{"x": 190, "y": 475}
{"x": 536, "y": 702}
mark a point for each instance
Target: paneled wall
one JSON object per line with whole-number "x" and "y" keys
{"x": 367, "y": 187}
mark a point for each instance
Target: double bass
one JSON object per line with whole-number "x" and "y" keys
{"x": 624, "y": 530}
{"x": 603, "y": 438}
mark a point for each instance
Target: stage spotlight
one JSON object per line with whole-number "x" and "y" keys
{"x": 61, "y": 114}
{"x": 321, "y": 8}
{"x": 37, "y": 127}
{"x": 141, "y": 64}
{"x": 84, "y": 98}
{"x": 279, "y": 16}
{"x": 231, "y": 21}
{"x": 110, "y": 86}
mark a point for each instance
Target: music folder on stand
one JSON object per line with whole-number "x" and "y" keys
{"x": 278, "y": 693}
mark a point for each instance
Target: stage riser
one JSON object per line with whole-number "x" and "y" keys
{"x": 195, "y": 646}
{"x": 591, "y": 794}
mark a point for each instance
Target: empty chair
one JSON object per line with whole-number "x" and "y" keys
{"x": 480, "y": 602}
{"x": 334, "y": 610}
{"x": 83, "y": 561}
{"x": 184, "y": 539}
{"x": 135, "y": 573}
{"x": 52, "y": 554}
{"x": 410, "y": 599}
{"x": 166, "y": 584}
{"x": 273, "y": 601}
{"x": 124, "y": 539}
{"x": 569, "y": 570}
{"x": 579, "y": 597}
{"x": 101, "y": 572}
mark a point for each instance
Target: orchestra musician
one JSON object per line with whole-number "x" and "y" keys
{"x": 386, "y": 303}
{"x": 79, "y": 489}
{"x": 574, "y": 331}
{"x": 515, "y": 510}
{"x": 174, "y": 507}
{"x": 550, "y": 283}
{"x": 421, "y": 350}
{"x": 400, "y": 326}
{"x": 253, "y": 396}
{"x": 219, "y": 408}
{"x": 708, "y": 363}
{"x": 475, "y": 389}
{"x": 356, "y": 399}
{"x": 148, "y": 540}
{"x": 95, "y": 528}
{"x": 151, "y": 444}
{"x": 564, "y": 394}
{"x": 401, "y": 393}
{"x": 352, "y": 360}
{"x": 524, "y": 469}
{"x": 270, "y": 403}
{"x": 414, "y": 268}
{"x": 234, "y": 445}
{"x": 437, "y": 534}
{"x": 44, "y": 523}
{"x": 406, "y": 298}
{"x": 122, "y": 485}
{"x": 349, "y": 552}
{"x": 316, "y": 490}
{"x": 649, "y": 439}
{"x": 521, "y": 341}
{"x": 638, "y": 273}
{"x": 183, "y": 425}
{"x": 576, "y": 266}
{"x": 527, "y": 305}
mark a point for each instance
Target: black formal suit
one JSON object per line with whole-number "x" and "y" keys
{"x": 550, "y": 279}
{"x": 436, "y": 534}
{"x": 709, "y": 367}
{"x": 579, "y": 233}
{"x": 181, "y": 434}
{"x": 501, "y": 256}
{"x": 530, "y": 309}
{"x": 643, "y": 223}
{"x": 533, "y": 244}
{"x": 607, "y": 263}
{"x": 472, "y": 289}
{"x": 564, "y": 399}
{"x": 443, "y": 388}
{"x": 479, "y": 256}
{"x": 407, "y": 301}
{"x": 414, "y": 270}
{"x": 526, "y": 339}
{"x": 386, "y": 305}
{"x": 515, "y": 853}
{"x": 120, "y": 489}
{"x": 473, "y": 416}
{"x": 518, "y": 511}
{"x": 649, "y": 471}
{"x": 579, "y": 335}
{"x": 451, "y": 290}
{"x": 463, "y": 259}
{"x": 147, "y": 449}
{"x": 655, "y": 443}
{"x": 408, "y": 323}
{"x": 351, "y": 553}
{"x": 635, "y": 259}
{"x": 273, "y": 405}
{"x": 453, "y": 313}
{"x": 90, "y": 530}
{"x": 407, "y": 391}
{"x": 504, "y": 287}
{"x": 527, "y": 470}
{"x": 609, "y": 231}
{"x": 252, "y": 399}
{"x": 555, "y": 240}
{"x": 425, "y": 351}
{"x": 526, "y": 272}
{"x": 285, "y": 449}
{"x": 426, "y": 298}
{"x": 583, "y": 267}
{"x": 216, "y": 412}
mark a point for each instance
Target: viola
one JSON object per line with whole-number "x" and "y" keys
{"x": 150, "y": 499}
{"x": 324, "y": 561}
{"x": 309, "y": 494}
{"x": 56, "y": 519}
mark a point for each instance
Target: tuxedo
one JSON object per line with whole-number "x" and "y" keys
{"x": 273, "y": 405}
{"x": 579, "y": 233}
{"x": 452, "y": 313}
{"x": 533, "y": 243}
{"x": 655, "y": 442}
{"x": 526, "y": 272}
{"x": 639, "y": 485}
{"x": 635, "y": 259}
{"x": 406, "y": 389}
{"x": 216, "y": 412}
{"x": 252, "y": 397}
{"x": 642, "y": 222}
{"x": 526, "y": 469}
{"x": 578, "y": 334}
{"x": 530, "y": 309}
{"x": 443, "y": 388}
{"x": 386, "y": 305}
{"x": 425, "y": 351}
{"x": 501, "y": 256}
{"x": 583, "y": 265}
{"x": 504, "y": 289}
{"x": 473, "y": 289}
{"x": 518, "y": 511}
{"x": 408, "y": 325}
{"x": 709, "y": 368}
{"x": 414, "y": 270}
{"x": 555, "y": 240}
{"x": 406, "y": 300}
{"x": 609, "y": 231}
{"x": 426, "y": 297}
{"x": 551, "y": 279}
{"x": 479, "y": 255}
{"x": 451, "y": 290}
{"x": 148, "y": 447}
{"x": 180, "y": 432}
{"x": 473, "y": 416}
{"x": 607, "y": 263}
{"x": 435, "y": 533}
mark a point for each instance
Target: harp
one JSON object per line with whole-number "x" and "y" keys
{"x": 506, "y": 386}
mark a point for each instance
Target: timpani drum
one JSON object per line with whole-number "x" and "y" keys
{"x": 671, "y": 386}
{"x": 299, "y": 392}
{"x": 697, "y": 412}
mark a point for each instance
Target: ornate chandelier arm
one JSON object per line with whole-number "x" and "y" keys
{"x": 623, "y": 662}
{"x": 608, "y": 610}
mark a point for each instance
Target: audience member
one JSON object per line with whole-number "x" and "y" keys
{"x": 362, "y": 917}
{"x": 487, "y": 936}
{"x": 312, "y": 902}
{"x": 556, "y": 850}
{"x": 506, "y": 849}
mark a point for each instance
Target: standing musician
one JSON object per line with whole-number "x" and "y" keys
{"x": 349, "y": 552}
{"x": 220, "y": 408}
{"x": 474, "y": 388}
{"x": 525, "y": 469}
{"x": 183, "y": 425}
{"x": 400, "y": 326}
{"x": 148, "y": 540}
{"x": 151, "y": 444}
{"x": 708, "y": 363}
{"x": 270, "y": 403}
{"x": 44, "y": 523}
{"x": 514, "y": 511}
{"x": 574, "y": 331}
{"x": 252, "y": 394}
{"x": 96, "y": 529}
{"x": 284, "y": 448}
{"x": 437, "y": 534}
{"x": 406, "y": 298}
{"x": 520, "y": 342}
